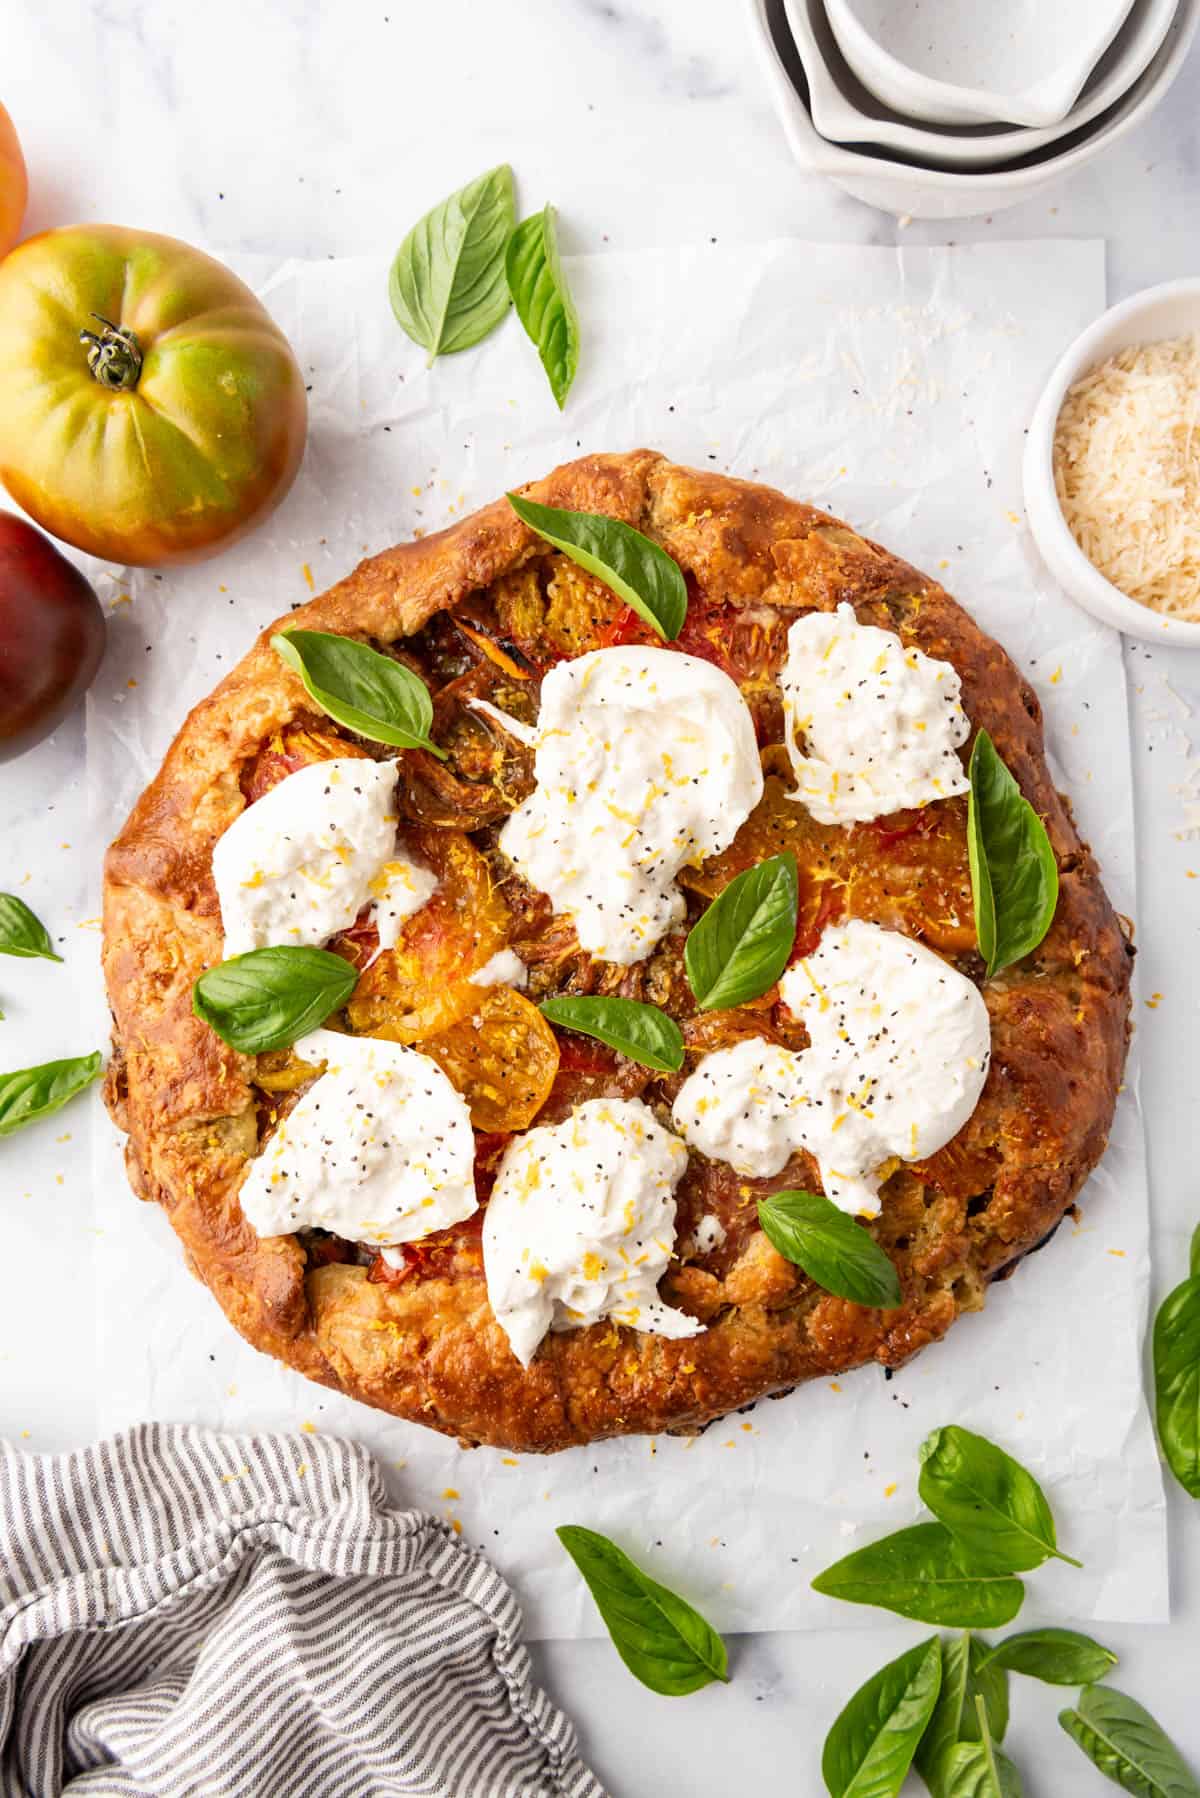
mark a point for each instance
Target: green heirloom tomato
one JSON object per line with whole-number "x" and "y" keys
{"x": 150, "y": 409}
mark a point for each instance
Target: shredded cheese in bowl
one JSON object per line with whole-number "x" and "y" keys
{"x": 1127, "y": 472}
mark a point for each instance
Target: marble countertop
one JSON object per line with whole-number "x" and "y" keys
{"x": 289, "y": 126}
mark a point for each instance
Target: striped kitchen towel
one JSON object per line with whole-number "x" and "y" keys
{"x": 189, "y": 1613}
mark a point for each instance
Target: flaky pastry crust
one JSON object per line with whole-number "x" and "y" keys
{"x": 429, "y": 1349}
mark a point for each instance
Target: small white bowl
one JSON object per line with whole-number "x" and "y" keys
{"x": 1172, "y": 310}
{"x": 962, "y": 62}
{"x": 846, "y": 112}
{"x": 914, "y": 191}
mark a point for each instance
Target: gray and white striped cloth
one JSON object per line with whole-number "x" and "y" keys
{"x": 188, "y": 1613}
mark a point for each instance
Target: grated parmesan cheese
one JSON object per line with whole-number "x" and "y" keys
{"x": 1127, "y": 472}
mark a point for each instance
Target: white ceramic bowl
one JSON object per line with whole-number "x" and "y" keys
{"x": 1172, "y": 310}
{"x": 914, "y": 191}
{"x": 846, "y": 112}
{"x": 963, "y": 62}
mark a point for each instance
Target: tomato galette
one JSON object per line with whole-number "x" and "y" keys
{"x": 563, "y": 988}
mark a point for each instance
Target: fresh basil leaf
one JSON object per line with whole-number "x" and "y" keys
{"x": 642, "y": 1032}
{"x": 1177, "y": 1382}
{"x": 367, "y": 692}
{"x": 740, "y": 946}
{"x": 993, "y": 1505}
{"x": 447, "y": 284}
{"x": 811, "y": 1231}
{"x": 1124, "y": 1742}
{"x": 21, "y": 933}
{"x": 637, "y": 570}
{"x": 32, "y": 1093}
{"x": 1058, "y": 1657}
{"x": 661, "y": 1639}
{"x": 268, "y": 998}
{"x": 979, "y": 1770}
{"x": 870, "y": 1747}
{"x": 543, "y": 299}
{"x": 1194, "y": 1267}
{"x": 922, "y": 1572}
{"x": 1014, "y": 876}
{"x": 965, "y": 1678}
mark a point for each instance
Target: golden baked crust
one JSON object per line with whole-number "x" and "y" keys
{"x": 428, "y": 1348}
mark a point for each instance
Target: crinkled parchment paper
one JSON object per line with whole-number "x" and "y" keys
{"x": 893, "y": 387}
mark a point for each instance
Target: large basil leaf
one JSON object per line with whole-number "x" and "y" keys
{"x": 21, "y": 933}
{"x": 642, "y": 1032}
{"x": 1058, "y": 1657}
{"x": 1194, "y": 1266}
{"x": 268, "y": 998}
{"x": 870, "y": 1747}
{"x": 637, "y": 570}
{"x": 367, "y": 692}
{"x": 965, "y": 1679}
{"x": 543, "y": 299}
{"x": 1014, "y": 876}
{"x": 33, "y": 1093}
{"x": 740, "y": 946}
{"x": 811, "y": 1231}
{"x": 922, "y": 1572}
{"x": 447, "y": 284}
{"x": 1127, "y": 1745}
{"x": 1177, "y": 1381}
{"x": 661, "y": 1639}
{"x": 993, "y": 1505}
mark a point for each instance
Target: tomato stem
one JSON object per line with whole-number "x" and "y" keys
{"x": 114, "y": 355}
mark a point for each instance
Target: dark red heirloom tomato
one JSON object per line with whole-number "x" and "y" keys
{"x": 51, "y": 636}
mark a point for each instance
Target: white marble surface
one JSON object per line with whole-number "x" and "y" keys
{"x": 324, "y": 129}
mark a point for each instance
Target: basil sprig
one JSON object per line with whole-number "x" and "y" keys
{"x": 1058, "y": 1657}
{"x": 447, "y": 284}
{"x": 32, "y": 1093}
{"x": 995, "y": 1507}
{"x": 979, "y": 1769}
{"x": 1177, "y": 1377}
{"x": 268, "y": 998}
{"x": 367, "y": 692}
{"x": 1127, "y": 1745}
{"x": 642, "y": 1032}
{"x": 21, "y": 932}
{"x": 811, "y": 1231}
{"x": 636, "y": 570}
{"x": 870, "y": 1747}
{"x": 956, "y": 1717}
{"x": 543, "y": 299}
{"x": 1014, "y": 876}
{"x": 924, "y": 1573}
{"x": 740, "y": 946}
{"x": 663, "y": 1641}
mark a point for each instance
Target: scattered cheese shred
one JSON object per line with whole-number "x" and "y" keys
{"x": 1127, "y": 472}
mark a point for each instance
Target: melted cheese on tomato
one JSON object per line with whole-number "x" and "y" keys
{"x": 378, "y": 1150}
{"x": 581, "y": 1225}
{"x": 872, "y": 726}
{"x": 897, "y": 1058}
{"x": 646, "y": 762}
{"x": 300, "y": 863}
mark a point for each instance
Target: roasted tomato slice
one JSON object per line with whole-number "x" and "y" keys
{"x": 296, "y": 746}
{"x": 502, "y": 1059}
{"x": 421, "y": 987}
{"x": 910, "y": 875}
{"x": 822, "y": 902}
{"x": 450, "y": 1253}
{"x": 487, "y": 772}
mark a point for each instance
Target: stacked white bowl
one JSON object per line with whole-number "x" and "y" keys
{"x": 944, "y": 108}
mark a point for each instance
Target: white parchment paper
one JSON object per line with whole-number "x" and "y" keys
{"x": 892, "y": 386}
